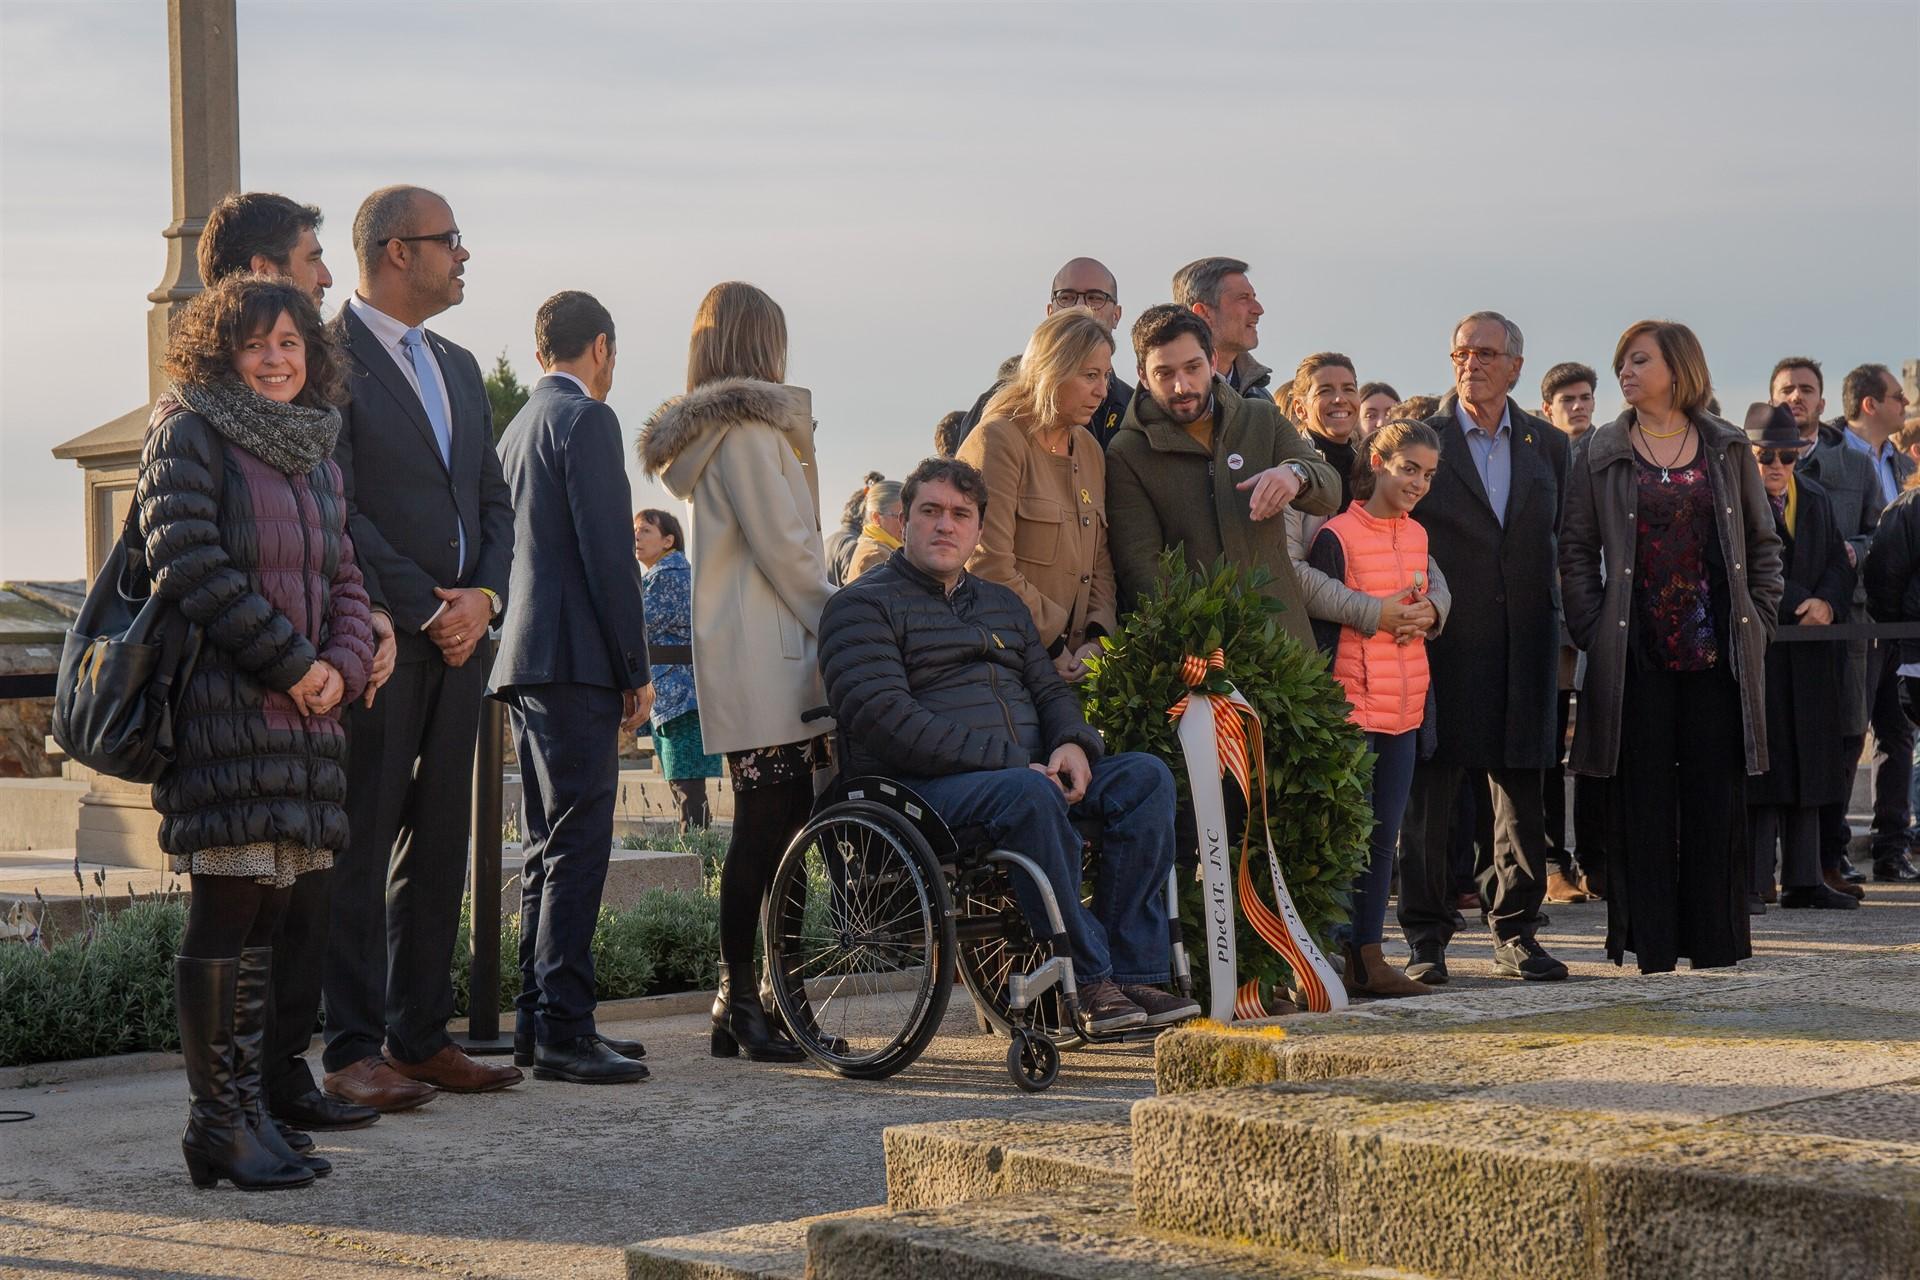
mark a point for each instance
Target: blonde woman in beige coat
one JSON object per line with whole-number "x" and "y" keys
{"x": 1045, "y": 529}
{"x": 739, "y": 447}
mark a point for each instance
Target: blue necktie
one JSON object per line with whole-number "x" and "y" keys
{"x": 423, "y": 372}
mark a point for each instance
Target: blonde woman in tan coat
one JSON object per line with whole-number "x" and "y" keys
{"x": 1045, "y": 531}
{"x": 739, "y": 447}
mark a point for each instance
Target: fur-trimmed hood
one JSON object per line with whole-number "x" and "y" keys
{"x": 679, "y": 439}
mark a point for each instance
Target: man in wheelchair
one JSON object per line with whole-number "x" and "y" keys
{"x": 938, "y": 679}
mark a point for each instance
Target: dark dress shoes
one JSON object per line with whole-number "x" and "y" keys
{"x": 1818, "y": 897}
{"x": 370, "y": 1082}
{"x": 1898, "y": 869}
{"x": 1848, "y": 872}
{"x": 523, "y": 1048}
{"x": 585, "y": 1060}
{"x": 1428, "y": 964}
{"x": 452, "y": 1070}
{"x": 316, "y": 1112}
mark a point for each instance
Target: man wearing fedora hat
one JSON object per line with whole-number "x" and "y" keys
{"x": 1805, "y": 768}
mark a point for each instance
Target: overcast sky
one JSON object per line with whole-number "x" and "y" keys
{"x": 904, "y": 178}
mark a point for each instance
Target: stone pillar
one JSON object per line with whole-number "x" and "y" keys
{"x": 204, "y": 77}
{"x": 1910, "y": 382}
{"x": 117, "y": 824}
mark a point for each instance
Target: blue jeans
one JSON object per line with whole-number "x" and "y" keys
{"x": 1124, "y": 936}
{"x": 1392, "y": 778}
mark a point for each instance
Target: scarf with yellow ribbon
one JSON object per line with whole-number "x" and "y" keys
{"x": 1220, "y": 736}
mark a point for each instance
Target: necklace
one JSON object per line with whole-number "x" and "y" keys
{"x": 1664, "y": 435}
{"x": 1666, "y": 468}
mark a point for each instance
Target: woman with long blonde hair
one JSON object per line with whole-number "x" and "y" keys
{"x": 739, "y": 447}
{"x": 1045, "y": 531}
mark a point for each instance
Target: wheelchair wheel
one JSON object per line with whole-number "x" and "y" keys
{"x": 860, "y": 947}
{"x": 994, "y": 942}
{"x": 1033, "y": 1061}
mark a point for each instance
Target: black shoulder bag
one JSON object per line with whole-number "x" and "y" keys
{"x": 126, "y": 662}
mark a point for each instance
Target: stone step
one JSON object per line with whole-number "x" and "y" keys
{"x": 759, "y": 1251}
{"x": 1087, "y": 1234}
{"x": 931, "y": 1166}
{"x": 1407, "y": 1175}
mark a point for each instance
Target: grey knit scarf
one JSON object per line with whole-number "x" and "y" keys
{"x": 290, "y": 438}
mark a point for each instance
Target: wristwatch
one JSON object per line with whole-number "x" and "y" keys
{"x": 1299, "y": 469}
{"x": 493, "y": 601}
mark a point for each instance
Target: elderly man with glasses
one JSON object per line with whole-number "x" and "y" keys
{"x": 1492, "y": 518}
{"x": 1083, "y": 282}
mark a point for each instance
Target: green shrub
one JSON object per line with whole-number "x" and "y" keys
{"x": 1318, "y": 765}
{"x": 107, "y": 990}
{"x": 681, "y": 931}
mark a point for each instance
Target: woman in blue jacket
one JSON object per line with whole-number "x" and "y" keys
{"x": 658, "y": 543}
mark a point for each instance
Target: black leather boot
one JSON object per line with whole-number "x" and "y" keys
{"x": 740, "y": 1023}
{"x": 252, "y": 990}
{"x": 220, "y": 1141}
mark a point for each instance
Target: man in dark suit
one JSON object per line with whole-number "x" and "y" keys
{"x": 573, "y": 672}
{"x": 433, "y": 530}
{"x": 1492, "y": 520}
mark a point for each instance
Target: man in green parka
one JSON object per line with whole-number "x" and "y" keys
{"x": 1196, "y": 463}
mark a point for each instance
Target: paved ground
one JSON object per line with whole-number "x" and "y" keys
{"x": 550, "y": 1180}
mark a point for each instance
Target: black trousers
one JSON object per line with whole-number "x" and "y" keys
{"x": 1512, "y": 888}
{"x": 567, "y": 736}
{"x": 1679, "y": 870}
{"x": 1794, "y": 833}
{"x": 1892, "y": 756}
{"x": 396, "y": 892}
{"x": 1553, "y": 791}
{"x": 299, "y": 954}
{"x": 1836, "y": 833}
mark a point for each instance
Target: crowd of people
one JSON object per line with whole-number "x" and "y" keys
{"x": 326, "y": 500}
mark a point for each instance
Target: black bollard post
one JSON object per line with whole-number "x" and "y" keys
{"x": 489, "y": 760}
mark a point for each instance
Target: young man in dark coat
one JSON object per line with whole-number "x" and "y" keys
{"x": 573, "y": 672}
{"x": 939, "y": 679}
{"x": 1492, "y": 518}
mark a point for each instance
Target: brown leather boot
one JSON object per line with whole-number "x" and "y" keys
{"x": 1835, "y": 881}
{"x": 1561, "y": 888}
{"x": 1369, "y": 974}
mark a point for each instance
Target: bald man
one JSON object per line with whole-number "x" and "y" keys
{"x": 1083, "y": 282}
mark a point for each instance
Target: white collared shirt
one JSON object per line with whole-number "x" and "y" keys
{"x": 390, "y": 332}
{"x": 562, "y": 373}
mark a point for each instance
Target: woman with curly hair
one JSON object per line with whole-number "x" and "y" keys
{"x": 242, "y": 522}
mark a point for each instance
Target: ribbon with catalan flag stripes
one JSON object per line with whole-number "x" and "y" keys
{"x": 1221, "y": 736}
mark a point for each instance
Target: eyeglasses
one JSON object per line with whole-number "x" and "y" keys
{"x": 1485, "y": 355}
{"x": 451, "y": 239}
{"x": 1769, "y": 456}
{"x": 1081, "y": 297}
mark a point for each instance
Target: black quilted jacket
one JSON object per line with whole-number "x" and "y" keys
{"x": 266, "y": 567}
{"x": 925, "y": 684}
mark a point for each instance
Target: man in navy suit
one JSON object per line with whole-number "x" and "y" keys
{"x": 573, "y": 672}
{"x": 433, "y": 532}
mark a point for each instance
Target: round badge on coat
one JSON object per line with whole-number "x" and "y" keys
{"x": 1235, "y": 462}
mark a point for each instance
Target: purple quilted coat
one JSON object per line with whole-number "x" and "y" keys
{"x": 266, "y": 568}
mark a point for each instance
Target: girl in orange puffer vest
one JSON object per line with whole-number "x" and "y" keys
{"x": 1375, "y": 631}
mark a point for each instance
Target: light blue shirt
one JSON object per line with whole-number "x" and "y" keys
{"x": 1882, "y": 463}
{"x": 1492, "y": 456}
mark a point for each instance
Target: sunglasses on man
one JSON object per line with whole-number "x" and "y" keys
{"x": 1769, "y": 456}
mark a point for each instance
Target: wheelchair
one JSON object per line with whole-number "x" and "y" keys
{"x": 876, "y": 904}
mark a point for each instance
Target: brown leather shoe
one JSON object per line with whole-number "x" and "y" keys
{"x": 451, "y": 1069}
{"x": 1561, "y": 888}
{"x": 370, "y": 1082}
{"x": 1369, "y": 974}
{"x": 1832, "y": 878}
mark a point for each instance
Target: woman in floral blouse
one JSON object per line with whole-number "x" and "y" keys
{"x": 657, "y": 541}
